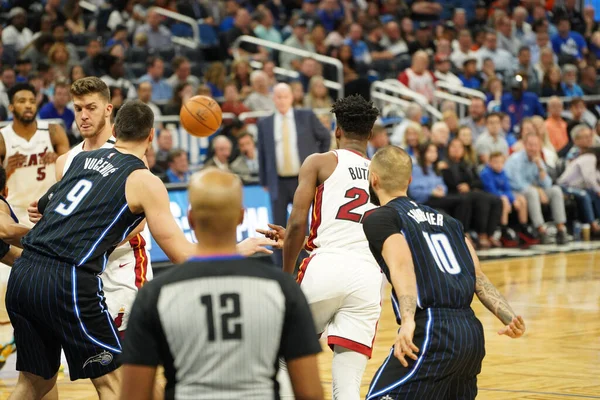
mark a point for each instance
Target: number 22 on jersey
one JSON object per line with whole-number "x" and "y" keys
{"x": 359, "y": 197}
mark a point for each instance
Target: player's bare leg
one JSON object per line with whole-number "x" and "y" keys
{"x": 32, "y": 387}
{"x": 52, "y": 394}
{"x": 109, "y": 385}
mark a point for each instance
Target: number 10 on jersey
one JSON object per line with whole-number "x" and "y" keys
{"x": 442, "y": 252}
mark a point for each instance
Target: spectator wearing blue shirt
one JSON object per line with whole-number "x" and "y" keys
{"x": 179, "y": 167}
{"x": 496, "y": 182}
{"x": 331, "y": 12}
{"x": 567, "y": 44}
{"x": 569, "y": 84}
{"x": 23, "y": 68}
{"x": 520, "y": 104}
{"x": 428, "y": 187}
{"x": 360, "y": 50}
{"x": 161, "y": 90}
{"x": 119, "y": 37}
{"x": 527, "y": 175}
{"x": 58, "y": 107}
{"x": 469, "y": 76}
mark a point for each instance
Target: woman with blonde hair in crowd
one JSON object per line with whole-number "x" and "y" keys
{"x": 451, "y": 119}
{"x": 214, "y": 78}
{"x": 59, "y": 59}
{"x": 240, "y": 74}
{"x": 298, "y": 94}
{"x": 413, "y": 138}
{"x": 465, "y": 135}
{"x": 317, "y": 96}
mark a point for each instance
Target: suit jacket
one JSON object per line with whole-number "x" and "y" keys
{"x": 211, "y": 163}
{"x": 312, "y": 137}
{"x": 240, "y": 168}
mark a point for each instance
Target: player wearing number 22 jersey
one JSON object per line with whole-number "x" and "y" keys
{"x": 341, "y": 279}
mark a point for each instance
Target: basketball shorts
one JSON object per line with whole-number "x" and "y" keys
{"x": 127, "y": 270}
{"x": 451, "y": 349}
{"x": 53, "y": 305}
{"x": 344, "y": 293}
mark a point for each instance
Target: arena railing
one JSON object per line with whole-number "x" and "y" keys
{"x": 86, "y": 5}
{"x": 398, "y": 90}
{"x": 462, "y": 102}
{"x": 293, "y": 74}
{"x": 191, "y": 43}
{"x": 587, "y": 99}
{"x": 456, "y": 89}
{"x": 339, "y": 85}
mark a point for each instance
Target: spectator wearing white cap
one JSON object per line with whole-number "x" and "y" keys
{"x": 17, "y": 34}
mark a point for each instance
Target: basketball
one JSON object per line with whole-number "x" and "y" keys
{"x": 201, "y": 116}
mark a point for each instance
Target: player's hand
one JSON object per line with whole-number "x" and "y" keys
{"x": 13, "y": 162}
{"x": 50, "y": 158}
{"x": 404, "y": 346}
{"x": 515, "y": 329}
{"x": 463, "y": 188}
{"x": 34, "y": 213}
{"x": 251, "y": 246}
{"x": 277, "y": 233}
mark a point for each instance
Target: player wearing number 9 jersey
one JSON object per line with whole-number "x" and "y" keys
{"x": 434, "y": 272}
{"x": 341, "y": 279}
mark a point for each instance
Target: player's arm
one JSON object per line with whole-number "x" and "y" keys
{"x": 12, "y": 255}
{"x": 59, "y": 139}
{"x": 60, "y": 166}
{"x": 11, "y": 232}
{"x": 493, "y": 300}
{"x": 296, "y": 227}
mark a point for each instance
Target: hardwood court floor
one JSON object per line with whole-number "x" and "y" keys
{"x": 558, "y": 358}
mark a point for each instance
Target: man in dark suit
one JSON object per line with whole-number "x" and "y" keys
{"x": 285, "y": 139}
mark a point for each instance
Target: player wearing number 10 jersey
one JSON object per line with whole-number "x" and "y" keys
{"x": 340, "y": 279}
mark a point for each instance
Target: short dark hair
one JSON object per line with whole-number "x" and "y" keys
{"x": 177, "y": 61}
{"x": 524, "y": 48}
{"x": 18, "y": 88}
{"x": 495, "y": 114}
{"x": 151, "y": 61}
{"x": 90, "y": 85}
{"x": 173, "y": 154}
{"x": 245, "y": 134}
{"x": 576, "y": 100}
{"x": 355, "y": 116}
{"x": 134, "y": 121}
{"x": 2, "y": 178}
{"x": 61, "y": 85}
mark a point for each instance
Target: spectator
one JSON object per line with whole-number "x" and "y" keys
{"x": 491, "y": 141}
{"x": 451, "y": 120}
{"x": 459, "y": 19}
{"x": 152, "y": 166}
{"x": 392, "y": 40}
{"x": 298, "y": 94}
{"x": 528, "y": 175}
{"x": 469, "y": 77}
{"x": 428, "y": 187}
{"x": 57, "y": 108}
{"x": 589, "y": 81}
{"x": 496, "y": 182}
{"x": 144, "y": 94}
{"x": 413, "y": 138}
{"x": 503, "y": 60}
{"x": 440, "y": 135}
{"x": 423, "y": 40}
{"x": 379, "y": 139}
{"x": 119, "y": 37}
{"x": 569, "y": 84}
{"x": 488, "y": 72}
{"x": 442, "y": 70}
{"x": 161, "y": 90}
{"x": 317, "y": 38}
{"x": 58, "y": 57}
{"x": 265, "y": 29}
{"x": 53, "y": 9}
{"x": 542, "y": 41}
{"x": 125, "y": 12}
{"x": 331, "y": 12}
{"x": 165, "y": 145}
{"x": 463, "y": 51}
{"x": 92, "y": 50}
{"x": 549, "y": 154}
{"x": 182, "y": 73}
{"x": 260, "y": 99}
{"x": 182, "y": 93}
{"x": 179, "y": 167}
{"x": 557, "y": 126}
{"x": 465, "y": 135}
{"x": 413, "y": 113}
{"x": 519, "y": 104}
{"x": 116, "y": 77}
{"x": 589, "y": 19}
{"x": 298, "y": 40}
{"x": 336, "y": 37}
{"x": 318, "y": 96}
{"x": 37, "y": 82}
{"x": 360, "y": 50}
{"x": 159, "y": 36}
{"x": 418, "y": 77}
{"x": 551, "y": 85}
{"x": 521, "y": 29}
{"x": 241, "y": 26}
{"x": 476, "y": 118}
{"x": 281, "y": 153}
{"x": 269, "y": 69}
{"x": 569, "y": 46}
{"x": 506, "y": 38}
{"x": 240, "y": 74}
{"x": 308, "y": 69}
{"x": 582, "y": 177}
{"x": 526, "y": 68}
{"x": 17, "y": 34}
{"x": 583, "y": 139}
{"x": 23, "y": 67}
{"x": 232, "y": 103}
{"x": 461, "y": 178}
{"x": 246, "y": 164}
{"x": 481, "y": 16}
{"x": 221, "y": 146}
{"x": 577, "y": 110}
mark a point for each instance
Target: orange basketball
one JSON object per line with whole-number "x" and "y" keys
{"x": 201, "y": 116}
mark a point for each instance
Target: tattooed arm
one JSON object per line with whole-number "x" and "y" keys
{"x": 493, "y": 300}
{"x": 398, "y": 258}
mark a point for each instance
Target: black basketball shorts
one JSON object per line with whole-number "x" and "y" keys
{"x": 451, "y": 350}
{"x": 51, "y": 306}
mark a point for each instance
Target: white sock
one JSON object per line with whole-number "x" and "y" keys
{"x": 347, "y": 370}
{"x": 285, "y": 384}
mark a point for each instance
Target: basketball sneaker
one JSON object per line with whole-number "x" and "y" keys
{"x": 5, "y": 351}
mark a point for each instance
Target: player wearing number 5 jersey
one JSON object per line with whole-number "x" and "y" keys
{"x": 28, "y": 150}
{"x": 434, "y": 272}
{"x": 340, "y": 279}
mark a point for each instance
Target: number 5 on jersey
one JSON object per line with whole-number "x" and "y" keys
{"x": 74, "y": 197}
{"x": 360, "y": 198}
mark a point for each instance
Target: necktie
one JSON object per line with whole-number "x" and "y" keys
{"x": 287, "y": 169}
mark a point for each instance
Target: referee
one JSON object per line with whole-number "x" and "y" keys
{"x": 219, "y": 323}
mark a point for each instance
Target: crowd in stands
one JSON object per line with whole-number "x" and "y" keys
{"x": 523, "y": 153}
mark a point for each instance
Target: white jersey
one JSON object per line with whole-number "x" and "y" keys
{"x": 128, "y": 267}
{"x": 339, "y": 206}
{"x": 32, "y": 180}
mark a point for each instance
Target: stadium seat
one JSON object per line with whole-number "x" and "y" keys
{"x": 194, "y": 55}
{"x": 136, "y": 55}
{"x": 167, "y": 55}
{"x": 208, "y": 36}
{"x": 137, "y": 69}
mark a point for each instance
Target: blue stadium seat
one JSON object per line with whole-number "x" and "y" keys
{"x": 182, "y": 30}
{"x": 208, "y": 36}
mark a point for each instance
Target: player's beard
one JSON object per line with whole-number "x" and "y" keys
{"x": 373, "y": 196}
{"x": 24, "y": 120}
{"x": 96, "y": 132}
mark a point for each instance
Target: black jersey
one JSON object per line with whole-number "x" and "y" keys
{"x": 5, "y": 247}
{"x": 88, "y": 215}
{"x": 443, "y": 265}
